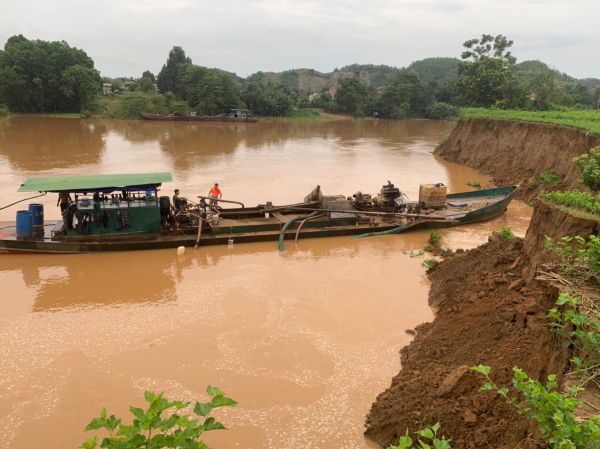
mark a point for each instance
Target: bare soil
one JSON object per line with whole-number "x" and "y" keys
{"x": 491, "y": 311}
{"x": 487, "y": 315}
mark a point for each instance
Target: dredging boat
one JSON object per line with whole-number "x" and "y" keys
{"x": 126, "y": 213}
{"x": 236, "y": 115}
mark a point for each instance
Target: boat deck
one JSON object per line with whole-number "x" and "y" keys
{"x": 338, "y": 219}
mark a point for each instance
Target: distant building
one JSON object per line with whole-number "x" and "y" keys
{"x": 128, "y": 84}
{"x": 107, "y": 88}
{"x": 332, "y": 91}
{"x": 533, "y": 96}
{"x": 380, "y": 89}
{"x": 313, "y": 96}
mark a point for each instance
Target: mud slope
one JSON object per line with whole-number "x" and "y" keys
{"x": 516, "y": 152}
{"x": 491, "y": 311}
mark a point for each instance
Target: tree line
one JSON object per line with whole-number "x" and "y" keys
{"x": 41, "y": 76}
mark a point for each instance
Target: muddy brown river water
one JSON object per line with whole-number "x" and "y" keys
{"x": 304, "y": 339}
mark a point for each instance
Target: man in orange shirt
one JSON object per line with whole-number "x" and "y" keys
{"x": 215, "y": 192}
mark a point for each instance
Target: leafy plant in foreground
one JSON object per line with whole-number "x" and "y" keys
{"x": 580, "y": 331}
{"x": 589, "y": 167}
{"x": 581, "y": 257}
{"x": 429, "y": 433}
{"x": 553, "y": 411}
{"x": 151, "y": 430}
{"x": 506, "y": 233}
{"x": 474, "y": 184}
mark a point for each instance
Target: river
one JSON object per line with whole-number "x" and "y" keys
{"x": 304, "y": 339}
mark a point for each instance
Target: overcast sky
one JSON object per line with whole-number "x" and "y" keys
{"x": 126, "y": 37}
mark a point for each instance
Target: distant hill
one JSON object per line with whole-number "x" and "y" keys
{"x": 436, "y": 69}
{"x": 310, "y": 80}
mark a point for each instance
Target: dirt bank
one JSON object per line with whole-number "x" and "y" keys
{"x": 491, "y": 311}
{"x": 516, "y": 152}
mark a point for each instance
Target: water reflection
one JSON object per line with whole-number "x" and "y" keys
{"x": 45, "y": 143}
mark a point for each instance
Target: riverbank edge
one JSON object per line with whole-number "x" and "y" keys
{"x": 492, "y": 311}
{"x": 490, "y": 308}
{"x": 516, "y": 152}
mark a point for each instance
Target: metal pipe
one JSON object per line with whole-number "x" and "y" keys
{"x": 356, "y": 212}
{"x": 26, "y": 199}
{"x": 222, "y": 201}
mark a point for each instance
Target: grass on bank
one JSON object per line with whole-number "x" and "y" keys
{"x": 588, "y": 120}
{"x": 312, "y": 114}
{"x": 579, "y": 204}
{"x": 4, "y": 110}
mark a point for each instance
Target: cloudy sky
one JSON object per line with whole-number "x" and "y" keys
{"x": 125, "y": 37}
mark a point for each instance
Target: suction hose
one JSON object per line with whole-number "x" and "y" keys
{"x": 288, "y": 224}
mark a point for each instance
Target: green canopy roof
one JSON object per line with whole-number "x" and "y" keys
{"x": 78, "y": 183}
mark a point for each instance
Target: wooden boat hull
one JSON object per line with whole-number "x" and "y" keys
{"x": 253, "y": 230}
{"x": 197, "y": 118}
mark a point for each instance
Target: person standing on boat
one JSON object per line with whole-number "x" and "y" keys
{"x": 176, "y": 201}
{"x": 215, "y": 192}
{"x": 64, "y": 199}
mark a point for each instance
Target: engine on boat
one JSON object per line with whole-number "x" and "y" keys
{"x": 389, "y": 198}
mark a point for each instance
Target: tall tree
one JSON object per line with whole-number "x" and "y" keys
{"x": 38, "y": 76}
{"x": 486, "y": 68}
{"x": 403, "y": 95}
{"x": 351, "y": 95}
{"x": 82, "y": 83}
{"x": 146, "y": 85}
{"x": 150, "y": 75}
{"x": 167, "y": 77}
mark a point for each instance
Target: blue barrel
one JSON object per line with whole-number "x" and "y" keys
{"x": 24, "y": 224}
{"x": 38, "y": 214}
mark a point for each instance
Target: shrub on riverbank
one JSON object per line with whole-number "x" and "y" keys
{"x": 588, "y": 120}
{"x": 308, "y": 114}
{"x": 4, "y": 110}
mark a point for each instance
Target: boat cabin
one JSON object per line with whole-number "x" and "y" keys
{"x": 105, "y": 204}
{"x": 240, "y": 113}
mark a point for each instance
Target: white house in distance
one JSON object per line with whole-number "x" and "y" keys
{"x": 106, "y": 88}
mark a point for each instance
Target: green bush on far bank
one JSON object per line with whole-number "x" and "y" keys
{"x": 588, "y": 120}
{"x": 574, "y": 199}
{"x": 307, "y": 113}
{"x": 4, "y": 110}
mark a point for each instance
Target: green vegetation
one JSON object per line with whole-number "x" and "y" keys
{"x": 582, "y": 119}
{"x": 429, "y": 263}
{"x": 3, "y": 110}
{"x": 42, "y": 76}
{"x": 487, "y": 71}
{"x": 574, "y": 199}
{"x": 533, "y": 184}
{"x": 435, "y": 238}
{"x": 580, "y": 257}
{"x": 307, "y": 114}
{"x": 474, "y": 184}
{"x": 430, "y": 434}
{"x": 550, "y": 177}
{"x": 579, "y": 331}
{"x": 553, "y": 411}
{"x": 151, "y": 430}
{"x": 506, "y": 233}
{"x": 589, "y": 167}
